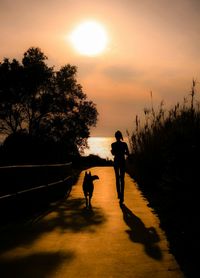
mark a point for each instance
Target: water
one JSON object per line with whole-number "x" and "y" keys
{"x": 101, "y": 146}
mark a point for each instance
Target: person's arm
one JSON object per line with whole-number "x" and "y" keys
{"x": 126, "y": 150}
{"x": 112, "y": 150}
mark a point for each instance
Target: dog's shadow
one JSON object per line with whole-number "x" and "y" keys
{"x": 91, "y": 217}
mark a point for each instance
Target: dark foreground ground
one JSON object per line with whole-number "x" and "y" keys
{"x": 108, "y": 240}
{"x": 179, "y": 213}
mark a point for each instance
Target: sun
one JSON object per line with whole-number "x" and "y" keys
{"x": 89, "y": 38}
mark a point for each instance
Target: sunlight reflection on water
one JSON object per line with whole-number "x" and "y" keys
{"x": 101, "y": 146}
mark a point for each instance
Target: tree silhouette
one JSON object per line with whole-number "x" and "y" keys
{"x": 44, "y": 103}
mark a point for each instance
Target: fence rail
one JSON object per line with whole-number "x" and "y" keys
{"x": 35, "y": 188}
{"x": 36, "y": 166}
{"x": 23, "y": 197}
{"x": 19, "y": 179}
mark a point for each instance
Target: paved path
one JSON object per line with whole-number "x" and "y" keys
{"x": 70, "y": 241}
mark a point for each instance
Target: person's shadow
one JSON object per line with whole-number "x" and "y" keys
{"x": 139, "y": 233}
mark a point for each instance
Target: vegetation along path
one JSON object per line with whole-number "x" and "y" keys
{"x": 106, "y": 241}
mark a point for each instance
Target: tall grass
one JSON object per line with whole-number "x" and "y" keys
{"x": 164, "y": 160}
{"x": 167, "y": 143}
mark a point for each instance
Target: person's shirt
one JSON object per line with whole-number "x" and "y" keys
{"x": 119, "y": 149}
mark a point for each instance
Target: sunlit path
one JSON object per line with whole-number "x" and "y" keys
{"x": 107, "y": 241}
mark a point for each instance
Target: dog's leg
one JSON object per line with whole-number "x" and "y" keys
{"x": 87, "y": 204}
{"x": 90, "y": 198}
{"x": 90, "y": 206}
{"x": 86, "y": 199}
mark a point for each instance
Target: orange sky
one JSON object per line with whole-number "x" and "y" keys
{"x": 154, "y": 45}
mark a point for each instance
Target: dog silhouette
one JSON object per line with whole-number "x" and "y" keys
{"x": 88, "y": 187}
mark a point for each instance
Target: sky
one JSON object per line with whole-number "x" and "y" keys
{"x": 153, "y": 45}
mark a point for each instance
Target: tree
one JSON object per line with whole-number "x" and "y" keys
{"x": 44, "y": 103}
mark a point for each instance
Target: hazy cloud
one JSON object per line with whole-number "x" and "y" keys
{"x": 153, "y": 46}
{"x": 121, "y": 73}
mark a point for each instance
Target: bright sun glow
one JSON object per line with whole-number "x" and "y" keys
{"x": 89, "y": 38}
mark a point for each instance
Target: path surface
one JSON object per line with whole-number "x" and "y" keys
{"x": 108, "y": 241}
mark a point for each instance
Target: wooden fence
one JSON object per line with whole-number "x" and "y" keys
{"x": 31, "y": 187}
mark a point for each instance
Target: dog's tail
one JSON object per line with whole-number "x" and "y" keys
{"x": 95, "y": 177}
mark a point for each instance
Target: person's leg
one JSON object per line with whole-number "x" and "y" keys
{"x": 117, "y": 176}
{"x": 122, "y": 174}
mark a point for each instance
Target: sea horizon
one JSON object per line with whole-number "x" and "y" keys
{"x": 98, "y": 145}
{"x": 101, "y": 146}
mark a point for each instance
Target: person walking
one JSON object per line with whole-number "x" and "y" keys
{"x": 119, "y": 150}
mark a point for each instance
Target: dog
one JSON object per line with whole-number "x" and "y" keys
{"x": 88, "y": 187}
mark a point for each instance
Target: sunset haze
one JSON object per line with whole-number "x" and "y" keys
{"x": 153, "y": 45}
